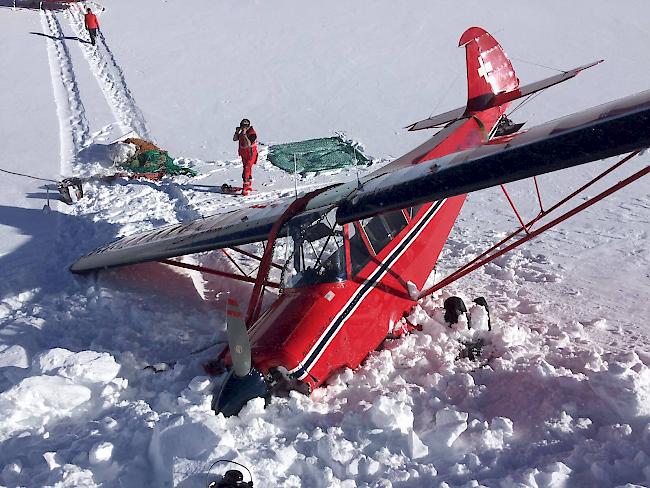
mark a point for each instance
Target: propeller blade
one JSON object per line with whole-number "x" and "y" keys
{"x": 240, "y": 346}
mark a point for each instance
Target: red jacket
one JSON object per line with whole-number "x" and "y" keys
{"x": 244, "y": 150}
{"x": 91, "y": 21}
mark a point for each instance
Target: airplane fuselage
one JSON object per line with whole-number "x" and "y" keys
{"x": 316, "y": 328}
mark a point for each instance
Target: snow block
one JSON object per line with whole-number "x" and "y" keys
{"x": 13, "y": 356}
{"x": 35, "y": 401}
{"x": 389, "y": 413}
{"x": 450, "y": 424}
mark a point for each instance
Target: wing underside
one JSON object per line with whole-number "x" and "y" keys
{"x": 601, "y": 132}
{"x": 241, "y": 226}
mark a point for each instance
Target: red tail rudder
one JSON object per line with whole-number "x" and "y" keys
{"x": 489, "y": 70}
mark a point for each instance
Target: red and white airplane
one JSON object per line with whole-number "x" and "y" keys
{"x": 353, "y": 248}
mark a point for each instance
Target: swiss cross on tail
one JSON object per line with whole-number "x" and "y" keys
{"x": 484, "y": 69}
{"x": 356, "y": 251}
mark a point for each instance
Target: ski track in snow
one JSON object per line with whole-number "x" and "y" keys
{"x": 110, "y": 77}
{"x": 73, "y": 125}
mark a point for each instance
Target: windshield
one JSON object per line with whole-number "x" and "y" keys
{"x": 315, "y": 252}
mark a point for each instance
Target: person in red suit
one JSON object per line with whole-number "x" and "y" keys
{"x": 92, "y": 25}
{"x": 247, "y": 138}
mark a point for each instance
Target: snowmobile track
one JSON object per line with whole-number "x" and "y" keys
{"x": 110, "y": 77}
{"x": 73, "y": 125}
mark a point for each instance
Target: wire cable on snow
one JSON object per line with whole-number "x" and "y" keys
{"x": 27, "y": 176}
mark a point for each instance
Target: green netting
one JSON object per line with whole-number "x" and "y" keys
{"x": 155, "y": 162}
{"x": 316, "y": 155}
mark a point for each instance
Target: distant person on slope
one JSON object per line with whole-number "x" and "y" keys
{"x": 92, "y": 25}
{"x": 247, "y": 138}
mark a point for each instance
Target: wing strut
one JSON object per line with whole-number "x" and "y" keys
{"x": 225, "y": 274}
{"x": 494, "y": 252}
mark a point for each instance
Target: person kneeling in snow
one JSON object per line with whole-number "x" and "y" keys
{"x": 247, "y": 138}
{"x": 92, "y": 25}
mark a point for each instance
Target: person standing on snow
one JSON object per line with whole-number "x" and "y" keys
{"x": 92, "y": 25}
{"x": 247, "y": 138}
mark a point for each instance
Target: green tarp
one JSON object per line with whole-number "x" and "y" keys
{"x": 154, "y": 162}
{"x": 316, "y": 155}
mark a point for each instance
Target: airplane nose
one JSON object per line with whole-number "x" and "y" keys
{"x": 236, "y": 392}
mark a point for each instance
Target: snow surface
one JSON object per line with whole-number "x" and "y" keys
{"x": 561, "y": 396}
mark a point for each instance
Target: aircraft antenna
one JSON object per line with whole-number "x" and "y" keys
{"x": 295, "y": 175}
{"x": 356, "y": 165}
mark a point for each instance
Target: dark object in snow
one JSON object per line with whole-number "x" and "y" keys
{"x": 472, "y": 350}
{"x": 233, "y": 478}
{"x": 238, "y": 390}
{"x": 233, "y": 190}
{"x": 454, "y": 307}
{"x": 505, "y": 127}
{"x": 64, "y": 189}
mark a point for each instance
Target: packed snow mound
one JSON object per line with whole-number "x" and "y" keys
{"x": 419, "y": 413}
{"x": 121, "y": 152}
{"x": 63, "y": 384}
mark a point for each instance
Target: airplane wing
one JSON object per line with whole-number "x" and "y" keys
{"x": 241, "y": 226}
{"x": 597, "y": 133}
{"x": 438, "y": 120}
{"x": 476, "y": 105}
{"x": 524, "y": 91}
{"x": 600, "y": 132}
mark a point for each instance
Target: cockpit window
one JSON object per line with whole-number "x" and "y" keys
{"x": 359, "y": 253}
{"x": 315, "y": 252}
{"x": 382, "y": 229}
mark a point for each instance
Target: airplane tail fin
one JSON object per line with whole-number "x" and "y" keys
{"x": 489, "y": 71}
{"x": 491, "y": 79}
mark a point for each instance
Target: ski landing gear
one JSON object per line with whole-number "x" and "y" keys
{"x": 64, "y": 187}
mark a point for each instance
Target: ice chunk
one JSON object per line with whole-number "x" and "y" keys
{"x": 90, "y": 367}
{"x": 121, "y": 152}
{"x": 417, "y": 449}
{"x": 52, "y": 460}
{"x": 625, "y": 386}
{"x": 15, "y": 356}
{"x": 85, "y": 366}
{"x": 101, "y": 453}
{"x": 555, "y": 475}
{"x": 450, "y": 424}
{"x": 51, "y": 360}
{"x": 199, "y": 383}
{"x": 36, "y": 400}
{"x": 388, "y": 413}
{"x": 14, "y": 468}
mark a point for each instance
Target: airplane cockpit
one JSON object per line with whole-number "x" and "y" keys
{"x": 315, "y": 252}
{"x": 321, "y": 251}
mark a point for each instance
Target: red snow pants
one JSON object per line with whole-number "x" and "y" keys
{"x": 248, "y": 158}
